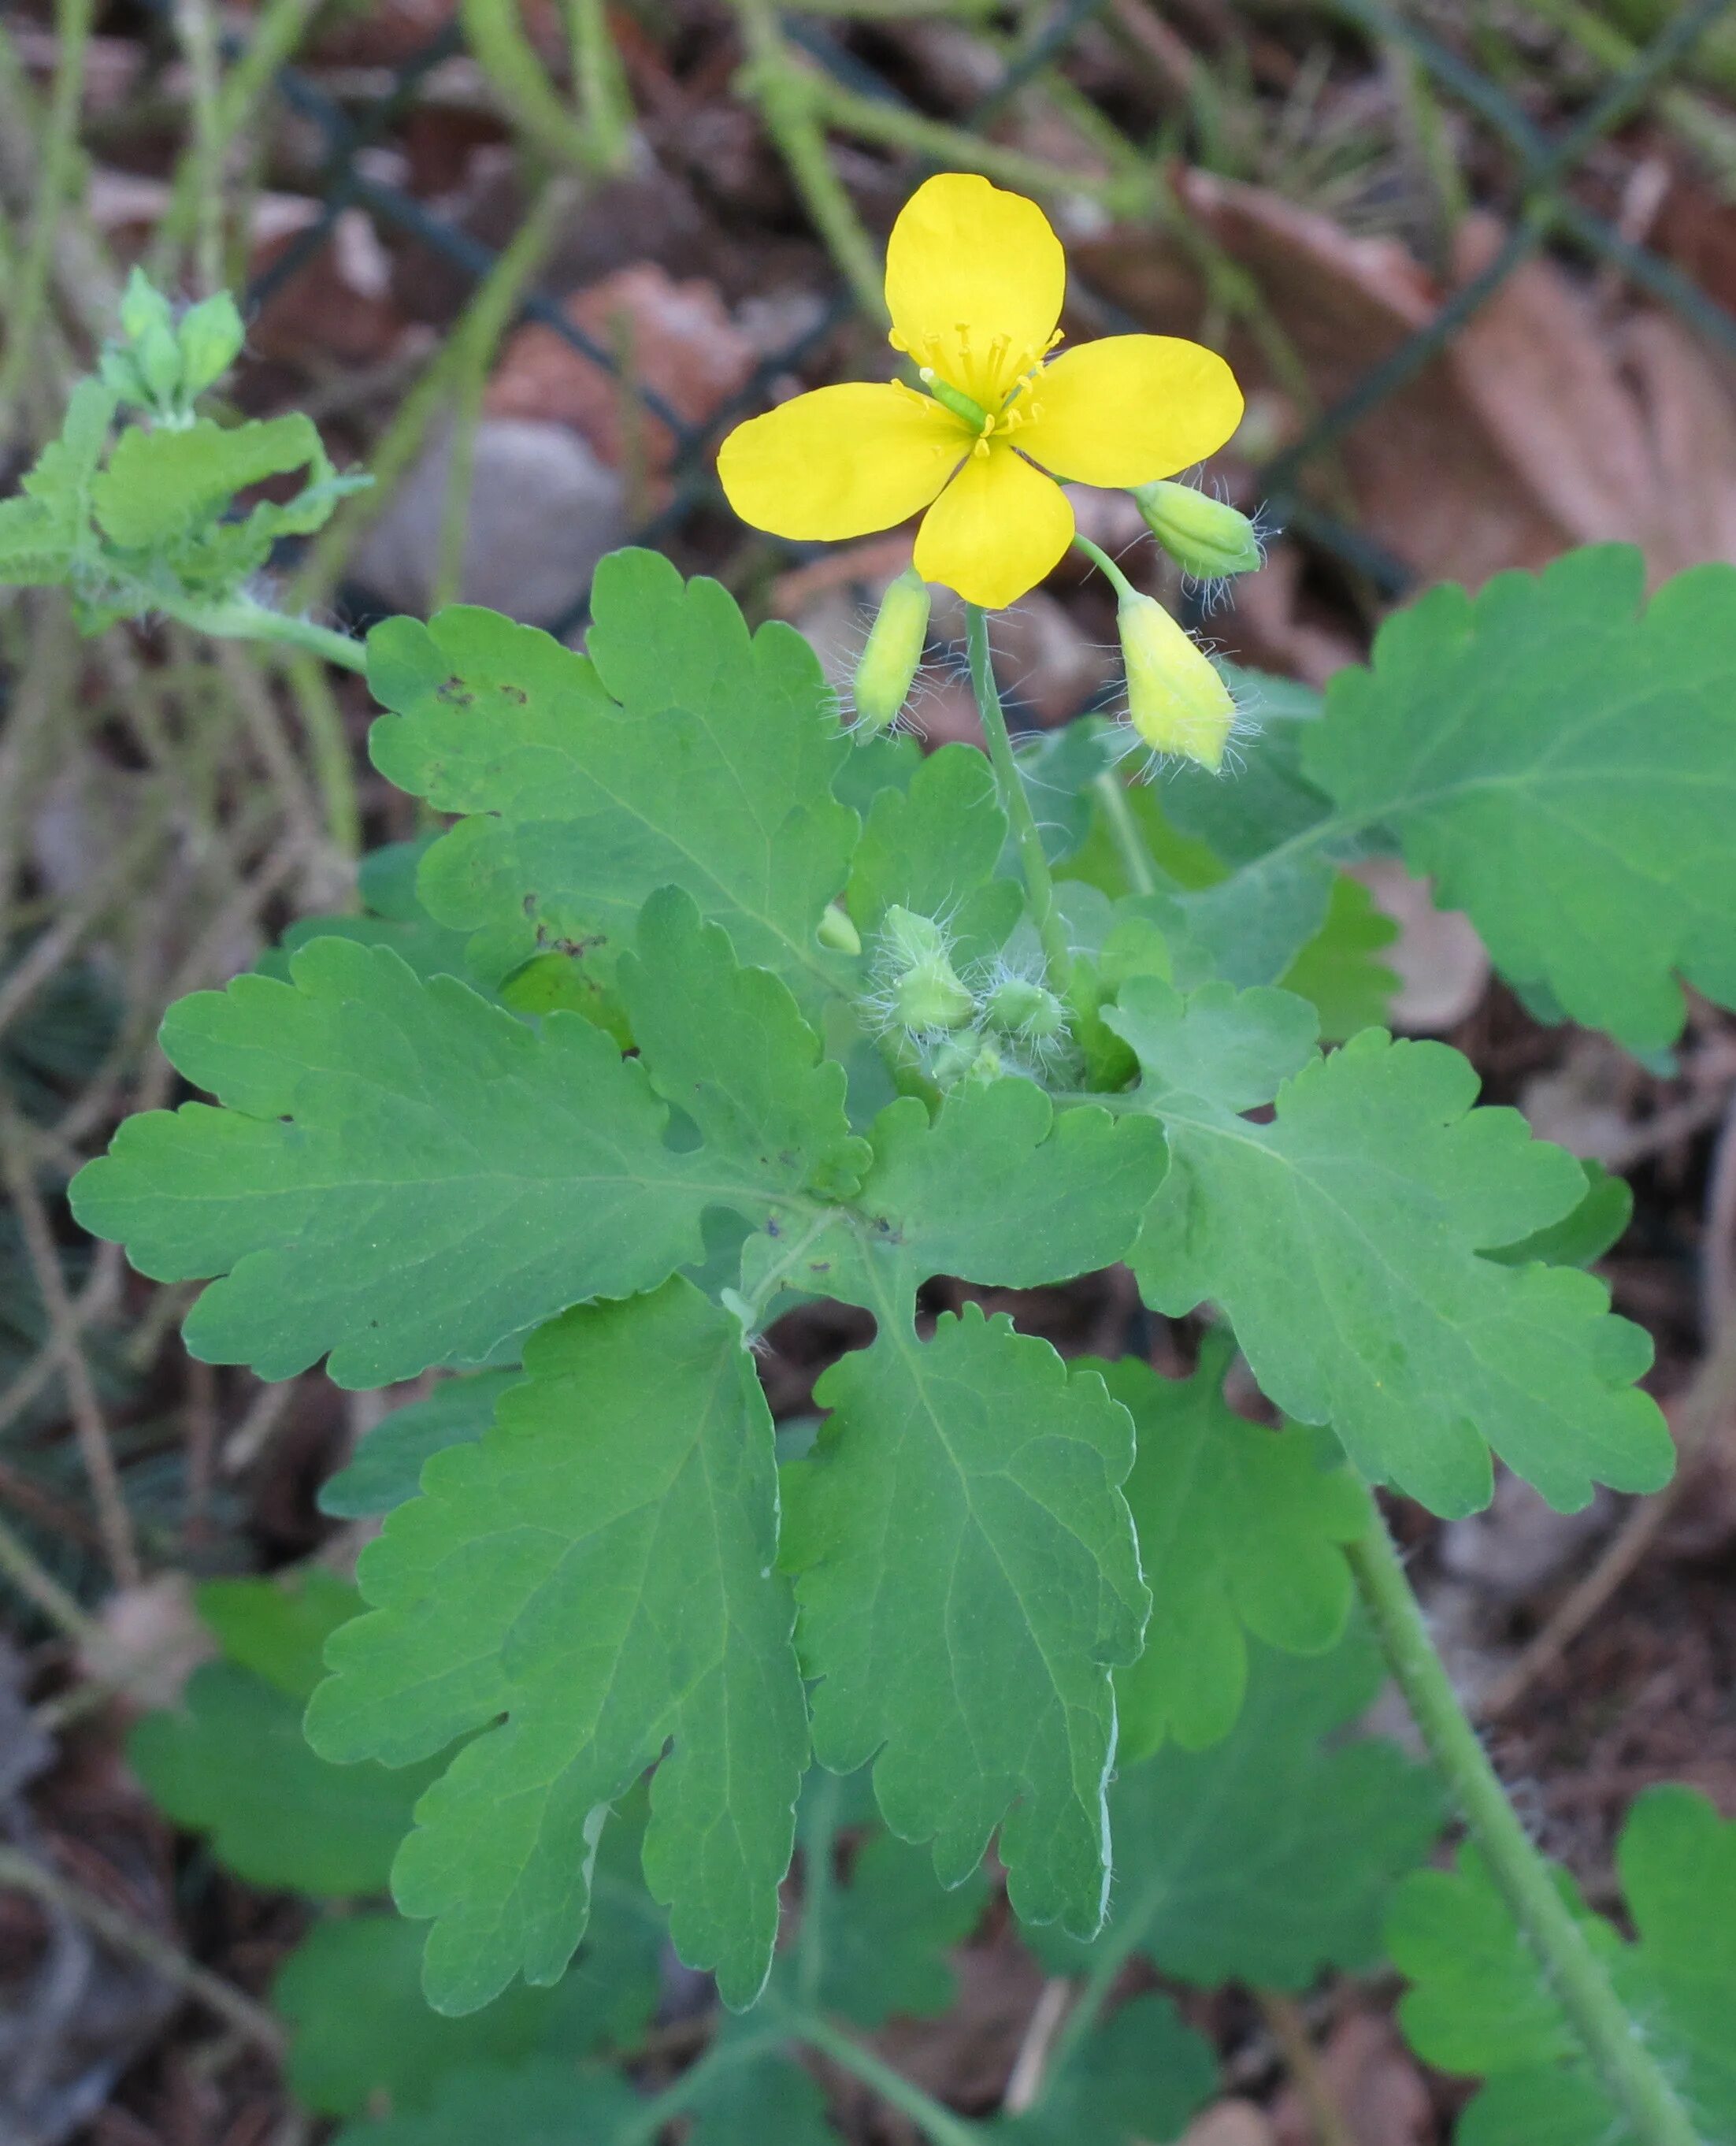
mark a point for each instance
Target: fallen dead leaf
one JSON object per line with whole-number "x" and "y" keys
{"x": 1442, "y": 965}
{"x": 1539, "y": 425}
{"x": 1230, "y": 2123}
{"x": 152, "y": 1640}
{"x": 1373, "y": 2079}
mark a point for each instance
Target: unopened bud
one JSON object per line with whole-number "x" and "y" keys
{"x": 157, "y": 355}
{"x": 835, "y": 930}
{"x": 893, "y": 654}
{"x": 966, "y": 1058}
{"x": 1206, "y": 537}
{"x": 910, "y": 937}
{"x": 142, "y": 306}
{"x": 210, "y": 335}
{"x": 923, "y": 989}
{"x": 1017, "y": 1007}
{"x": 1175, "y": 699}
{"x": 929, "y": 996}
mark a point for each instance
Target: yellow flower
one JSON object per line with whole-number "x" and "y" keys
{"x": 975, "y": 279}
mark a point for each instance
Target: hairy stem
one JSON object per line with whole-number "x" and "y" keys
{"x": 1612, "y": 2039}
{"x": 243, "y": 621}
{"x": 1039, "y": 886}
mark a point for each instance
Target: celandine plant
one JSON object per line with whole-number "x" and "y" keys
{"x": 703, "y": 1006}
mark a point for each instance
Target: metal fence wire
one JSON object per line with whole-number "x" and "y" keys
{"x": 1541, "y": 210}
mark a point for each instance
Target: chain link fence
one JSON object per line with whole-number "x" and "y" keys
{"x": 1541, "y": 211}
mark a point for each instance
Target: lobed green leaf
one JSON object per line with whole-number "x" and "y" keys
{"x": 1560, "y": 756}
{"x": 1345, "y": 1241}
{"x": 967, "y": 1579}
{"x": 1239, "y": 1531}
{"x": 680, "y": 752}
{"x": 589, "y": 1582}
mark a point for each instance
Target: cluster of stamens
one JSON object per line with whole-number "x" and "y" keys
{"x": 1017, "y": 406}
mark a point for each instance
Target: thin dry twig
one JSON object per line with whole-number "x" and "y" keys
{"x": 119, "y": 1542}
{"x": 1025, "y": 2081}
{"x": 126, "y": 1933}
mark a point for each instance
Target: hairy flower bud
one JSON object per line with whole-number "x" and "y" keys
{"x": 1020, "y": 1008}
{"x": 144, "y": 306}
{"x": 924, "y": 993}
{"x": 1176, "y": 701}
{"x": 210, "y": 335}
{"x": 969, "y": 1057}
{"x": 894, "y": 653}
{"x": 1206, "y": 537}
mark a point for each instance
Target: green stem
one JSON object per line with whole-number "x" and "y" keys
{"x": 604, "y": 104}
{"x": 1105, "y": 565}
{"x": 788, "y": 98}
{"x": 196, "y": 25}
{"x": 243, "y": 621}
{"x": 329, "y": 750}
{"x": 936, "y": 2123}
{"x": 1125, "y": 832}
{"x": 1612, "y": 2038}
{"x": 511, "y": 63}
{"x": 898, "y": 128}
{"x": 819, "y": 1828}
{"x": 58, "y": 161}
{"x": 1039, "y": 886}
{"x": 654, "y": 2116}
{"x": 272, "y": 36}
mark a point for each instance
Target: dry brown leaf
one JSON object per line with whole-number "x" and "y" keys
{"x": 1442, "y": 965}
{"x": 1540, "y": 427}
{"x": 1230, "y": 2123}
{"x": 1691, "y": 425}
{"x": 1372, "y": 2079}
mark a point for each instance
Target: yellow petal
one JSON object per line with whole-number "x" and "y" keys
{"x": 840, "y": 461}
{"x": 995, "y": 530}
{"x": 1130, "y": 409}
{"x": 975, "y": 278}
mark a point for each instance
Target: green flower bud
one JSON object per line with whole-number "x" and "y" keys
{"x": 918, "y": 988}
{"x": 142, "y": 307}
{"x": 120, "y": 373}
{"x": 966, "y": 1058}
{"x": 929, "y": 996}
{"x": 157, "y": 355}
{"x": 911, "y": 938}
{"x": 837, "y": 931}
{"x": 210, "y": 335}
{"x": 1018, "y": 1008}
{"x": 894, "y": 653}
{"x": 1176, "y": 701}
{"x": 1206, "y": 537}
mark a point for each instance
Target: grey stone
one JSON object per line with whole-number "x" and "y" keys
{"x": 543, "y": 510}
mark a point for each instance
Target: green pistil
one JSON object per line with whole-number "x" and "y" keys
{"x": 949, "y": 398}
